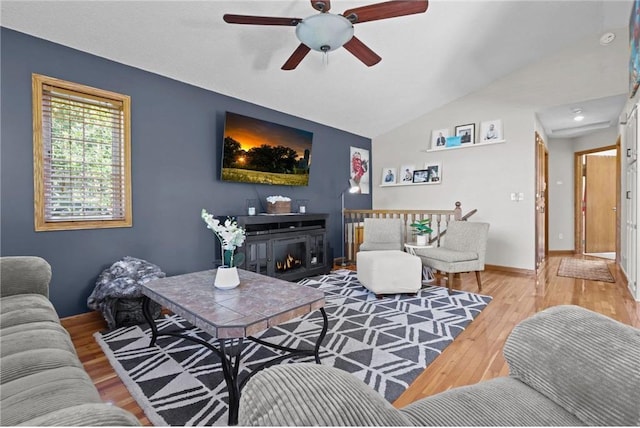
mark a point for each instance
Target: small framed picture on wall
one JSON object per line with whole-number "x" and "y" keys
{"x": 491, "y": 130}
{"x": 467, "y": 133}
{"x": 389, "y": 175}
{"x": 434, "y": 172}
{"x": 406, "y": 173}
{"x": 439, "y": 138}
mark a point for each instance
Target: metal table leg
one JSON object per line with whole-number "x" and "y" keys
{"x": 230, "y": 355}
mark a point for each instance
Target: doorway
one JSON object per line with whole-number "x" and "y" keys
{"x": 596, "y": 202}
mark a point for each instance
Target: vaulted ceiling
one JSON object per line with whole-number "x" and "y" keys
{"x": 428, "y": 59}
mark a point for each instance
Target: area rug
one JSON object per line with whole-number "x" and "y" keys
{"x": 385, "y": 342}
{"x": 593, "y": 270}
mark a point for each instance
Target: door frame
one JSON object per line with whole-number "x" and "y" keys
{"x": 541, "y": 187}
{"x": 577, "y": 201}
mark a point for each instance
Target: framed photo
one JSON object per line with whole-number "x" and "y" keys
{"x": 359, "y": 168}
{"x": 389, "y": 175}
{"x": 421, "y": 176}
{"x": 434, "y": 172}
{"x": 406, "y": 173}
{"x": 491, "y": 130}
{"x": 467, "y": 133}
{"x": 439, "y": 138}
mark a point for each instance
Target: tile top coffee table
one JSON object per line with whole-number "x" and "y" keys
{"x": 230, "y": 316}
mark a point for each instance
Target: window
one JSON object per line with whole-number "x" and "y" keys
{"x": 82, "y": 158}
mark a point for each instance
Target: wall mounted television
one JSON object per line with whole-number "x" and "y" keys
{"x": 261, "y": 152}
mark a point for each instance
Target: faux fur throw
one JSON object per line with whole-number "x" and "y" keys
{"x": 121, "y": 281}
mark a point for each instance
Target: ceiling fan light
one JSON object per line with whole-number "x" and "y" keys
{"x": 324, "y": 32}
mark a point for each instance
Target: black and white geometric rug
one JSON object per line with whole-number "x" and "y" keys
{"x": 385, "y": 342}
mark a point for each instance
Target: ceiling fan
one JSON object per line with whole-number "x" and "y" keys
{"x": 325, "y": 32}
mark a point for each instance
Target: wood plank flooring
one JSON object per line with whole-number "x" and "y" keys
{"x": 475, "y": 355}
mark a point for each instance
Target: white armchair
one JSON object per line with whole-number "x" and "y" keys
{"x": 382, "y": 234}
{"x": 464, "y": 249}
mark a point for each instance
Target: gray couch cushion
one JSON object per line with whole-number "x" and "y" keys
{"x": 26, "y": 308}
{"x": 44, "y": 392}
{"x": 313, "y": 395}
{"x": 33, "y": 361}
{"x": 497, "y": 402}
{"x": 587, "y": 363}
{"x": 24, "y": 274}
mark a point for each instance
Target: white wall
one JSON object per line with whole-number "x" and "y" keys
{"x": 483, "y": 177}
{"x": 561, "y": 194}
{"x": 561, "y": 183}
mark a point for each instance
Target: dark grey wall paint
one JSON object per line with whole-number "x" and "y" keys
{"x": 176, "y": 143}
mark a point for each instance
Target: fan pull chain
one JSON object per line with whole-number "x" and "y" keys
{"x": 325, "y": 58}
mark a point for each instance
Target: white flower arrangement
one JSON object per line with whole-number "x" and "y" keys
{"x": 274, "y": 199}
{"x": 228, "y": 233}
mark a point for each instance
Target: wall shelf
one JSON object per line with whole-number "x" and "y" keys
{"x": 464, "y": 146}
{"x": 407, "y": 184}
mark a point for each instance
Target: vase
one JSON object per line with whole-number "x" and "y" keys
{"x": 226, "y": 278}
{"x": 421, "y": 240}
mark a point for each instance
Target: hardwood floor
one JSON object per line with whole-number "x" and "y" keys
{"x": 475, "y": 355}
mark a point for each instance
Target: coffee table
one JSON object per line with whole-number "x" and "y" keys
{"x": 230, "y": 316}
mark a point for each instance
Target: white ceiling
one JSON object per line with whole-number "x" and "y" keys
{"x": 428, "y": 60}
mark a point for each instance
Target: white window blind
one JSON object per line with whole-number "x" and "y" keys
{"x": 81, "y": 156}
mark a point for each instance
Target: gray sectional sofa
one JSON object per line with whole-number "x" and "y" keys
{"x": 42, "y": 381}
{"x": 568, "y": 366}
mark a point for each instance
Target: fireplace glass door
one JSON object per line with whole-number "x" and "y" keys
{"x": 289, "y": 255}
{"x": 256, "y": 255}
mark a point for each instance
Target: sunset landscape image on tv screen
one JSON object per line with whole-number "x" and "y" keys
{"x": 261, "y": 152}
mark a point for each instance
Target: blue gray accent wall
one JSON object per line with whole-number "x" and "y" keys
{"x": 176, "y": 138}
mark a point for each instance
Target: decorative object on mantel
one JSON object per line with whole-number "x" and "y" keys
{"x": 230, "y": 236}
{"x": 278, "y": 205}
{"x": 467, "y": 133}
{"x": 301, "y": 205}
{"x": 421, "y": 229}
{"x": 491, "y": 130}
{"x": 252, "y": 206}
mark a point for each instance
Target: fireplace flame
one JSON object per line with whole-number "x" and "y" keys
{"x": 289, "y": 262}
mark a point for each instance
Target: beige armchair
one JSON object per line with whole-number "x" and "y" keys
{"x": 382, "y": 234}
{"x": 464, "y": 249}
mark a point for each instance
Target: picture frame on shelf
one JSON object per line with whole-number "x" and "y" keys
{"x": 406, "y": 174}
{"x": 421, "y": 176}
{"x": 491, "y": 131}
{"x": 434, "y": 172}
{"x": 467, "y": 133}
{"x": 439, "y": 138}
{"x": 389, "y": 176}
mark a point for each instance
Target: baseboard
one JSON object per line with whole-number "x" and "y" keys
{"x": 562, "y": 253}
{"x": 85, "y": 317}
{"x": 517, "y": 271}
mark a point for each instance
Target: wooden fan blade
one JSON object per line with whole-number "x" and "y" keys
{"x": 260, "y": 20}
{"x": 321, "y": 5}
{"x": 362, "y": 52}
{"x": 389, "y": 9}
{"x": 297, "y": 56}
